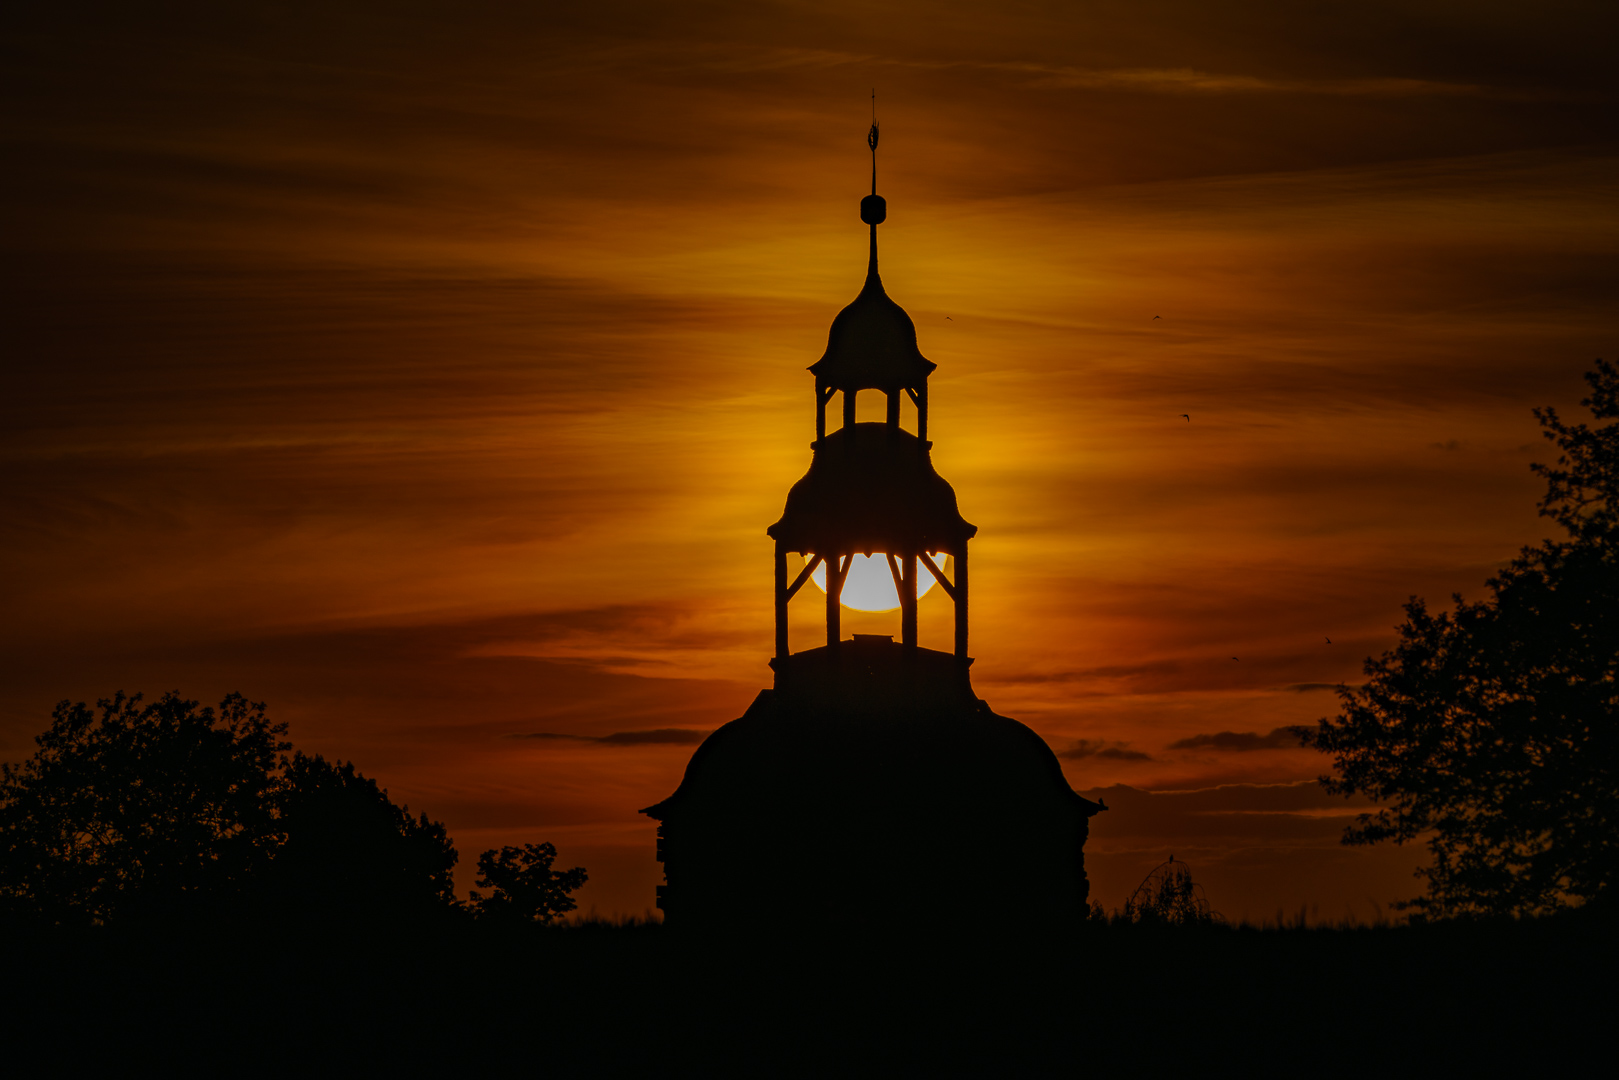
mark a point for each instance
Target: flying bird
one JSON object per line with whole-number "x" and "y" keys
{"x": 1188, "y": 417}
{"x": 1158, "y": 316}
{"x": 948, "y": 319}
{"x": 1234, "y": 658}
{"x": 1329, "y": 641}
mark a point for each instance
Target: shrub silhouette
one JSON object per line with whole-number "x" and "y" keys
{"x": 1168, "y": 896}
{"x": 1492, "y": 732}
{"x": 526, "y": 889}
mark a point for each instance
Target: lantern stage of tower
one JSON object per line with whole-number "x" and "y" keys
{"x": 871, "y": 488}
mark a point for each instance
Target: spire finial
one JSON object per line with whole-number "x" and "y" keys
{"x": 873, "y": 208}
{"x": 871, "y": 140}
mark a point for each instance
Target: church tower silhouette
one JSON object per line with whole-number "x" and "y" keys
{"x": 871, "y": 782}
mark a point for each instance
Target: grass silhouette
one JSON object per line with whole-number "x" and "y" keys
{"x": 615, "y": 996}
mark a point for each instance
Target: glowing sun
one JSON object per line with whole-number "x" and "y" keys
{"x": 870, "y": 584}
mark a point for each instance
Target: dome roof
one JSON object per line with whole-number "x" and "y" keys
{"x": 872, "y": 488}
{"x": 872, "y": 344}
{"x": 889, "y": 788}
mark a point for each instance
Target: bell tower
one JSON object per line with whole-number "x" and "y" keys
{"x": 875, "y": 751}
{"x": 871, "y": 488}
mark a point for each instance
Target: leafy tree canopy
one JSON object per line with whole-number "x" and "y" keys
{"x": 349, "y": 851}
{"x": 160, "y": 808}
{"x": 1492, "y": 731}
{"x": 526, "y": 889}
{"x": 167, "y": 810}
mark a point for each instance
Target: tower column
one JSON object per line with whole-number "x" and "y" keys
{"x": 961, "y": 603}
{"x": 907, "y": 603}
{"x": 781, "y": 602}
{"x": 849, "y": 396}
{"x": 834, "y": 600}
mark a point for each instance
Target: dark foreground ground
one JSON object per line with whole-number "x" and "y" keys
{"x": 650, "y": 1001}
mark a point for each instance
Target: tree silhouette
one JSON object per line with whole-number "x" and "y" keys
{"x": 1493, "y": 730}
{"x": 156, "y": 809}
{"x": 350, "y": 852}
{"x": 526, "y": 889}
{"x": 170, "y": 811}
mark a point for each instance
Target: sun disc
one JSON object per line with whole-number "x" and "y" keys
{"x": 870, "y": 584}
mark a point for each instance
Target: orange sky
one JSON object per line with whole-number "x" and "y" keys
{"x": 433, "y": 374}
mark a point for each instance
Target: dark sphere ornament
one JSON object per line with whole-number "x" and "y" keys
{"x": 873, "y": 209}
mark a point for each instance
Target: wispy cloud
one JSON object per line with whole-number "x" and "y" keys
{"x": 733, "y": 59}
{"x": 1282, "y": 738}
{"x": 1185, "y": 80}
{"x": 655, "y": 736}
{"x": 1097, "y": 748}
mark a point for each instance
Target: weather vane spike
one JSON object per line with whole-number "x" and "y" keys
{"x": 873, "y": 208}
{"x": 871, "y": 140}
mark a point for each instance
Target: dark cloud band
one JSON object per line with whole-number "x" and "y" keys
{"x": 1282, "y": 738}
{"x": 664, "y": 736}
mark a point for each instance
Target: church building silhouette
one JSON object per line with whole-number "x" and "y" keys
{"x": 871, "y": 784}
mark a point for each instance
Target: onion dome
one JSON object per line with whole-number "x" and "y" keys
{"x": 872, "y": 488}
{"x": 872, "y": 345}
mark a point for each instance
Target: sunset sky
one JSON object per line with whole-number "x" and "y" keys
{"x": 432, "y": 371}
